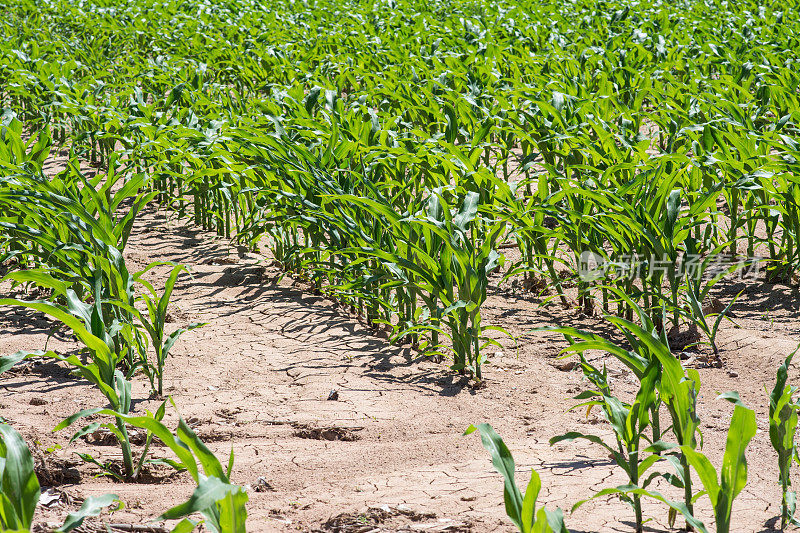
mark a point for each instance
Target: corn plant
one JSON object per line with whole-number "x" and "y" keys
{"x": 720, "y": 487}
{"x": 109, "y": 468}
{"x": 100, "y": 369}
{"x": 520, "y": 508}
{"x": 680, "y": 392}
{"x": 20, "y": 492}
{"x": 697, "y": 290}
{"x": 723, "y": 487}
{"x": 783, "y": 410}
{"x": 69, "y": 232}
{"x": 471, "y": 261}
{"x": 221, "y": 503}
{"x": 674, "y": 388}
{"x": 153, "y": 323}
{"x": 630, "y": 423}
{"x": 645, "y": 341}
{"x": 449, "y": 268}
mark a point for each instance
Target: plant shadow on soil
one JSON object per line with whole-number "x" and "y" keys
{"x": 762, "y": 297}
{"x": 566, "y": 467}
{"x": 55, "y": 374}
{"x": 318, "y": 320}
{"x": 772, "y": 525}
{"x": 54, "y": 472}
{"x": 18, "y": 319}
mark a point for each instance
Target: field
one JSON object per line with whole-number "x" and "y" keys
{"x": 327, "y": 265}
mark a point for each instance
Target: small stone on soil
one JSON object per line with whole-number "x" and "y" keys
{"x": 567, "y": 366}
{"x": 262, "y": 485}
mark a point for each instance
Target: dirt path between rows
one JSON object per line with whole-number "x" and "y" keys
{"x": 257, "y": 379}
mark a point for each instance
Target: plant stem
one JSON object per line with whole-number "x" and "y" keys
{"x": 687, "y": 488}
{"x": 127, "y": 454}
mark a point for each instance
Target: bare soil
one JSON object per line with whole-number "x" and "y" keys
{"x": 386, "y": 452}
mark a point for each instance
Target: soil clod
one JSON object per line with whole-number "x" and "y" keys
{"x": 305, "y": 431}
{"x": 394, "y": 518}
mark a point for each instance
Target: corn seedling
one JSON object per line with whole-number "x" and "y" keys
{"x": 100, "y": 369}
{"x": 520, "y": 508}
{"x": 783, "y": 410}
{"x": 723, "y": 487}
{"x": 153, "y": 323}
{"x": 20, "y": 492}
{"x": 672, "y": 386}
{"x": 221, "y": 503}
{"x": 630, "y": 423}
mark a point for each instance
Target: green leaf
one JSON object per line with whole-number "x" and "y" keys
{"x": 8, "y": 361}
{"x": 528, "y": 510}
{"x": 209, "y": 491}
{"x": 705, "y": 471}
{"x": 77, "y": 416}
{"x": 734, "y": 464}
{"x": 18, "y": 482}
{"x": 185, "y": 526}
{"x": 504, "y": 464}
{"x": 211, "y": 465}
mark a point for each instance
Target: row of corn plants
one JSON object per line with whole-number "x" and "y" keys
{"x": 65, "y": 235}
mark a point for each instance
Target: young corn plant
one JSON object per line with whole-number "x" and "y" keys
{"x": 20, "y": 491}
{"x": 783, "y": 408}
{"x": 675, "y": 388}
{"x": 109, "y": 468}
{"x": 472, "y": 257}
{"x": 153, "y": 322}
{"x": 452, "y": 278}
{"x": 520, "y": 508}
{"x": 221, "y": 503}
{"x": 100, "y": 369}
{"x": 678, "y": 390}
{"x": 723, "y": 487}
{"x": 696, "y": 291}
{"x": 630, "y": 423}
{"x": 643, "y": 340}
{"x": 720, "y": 487}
